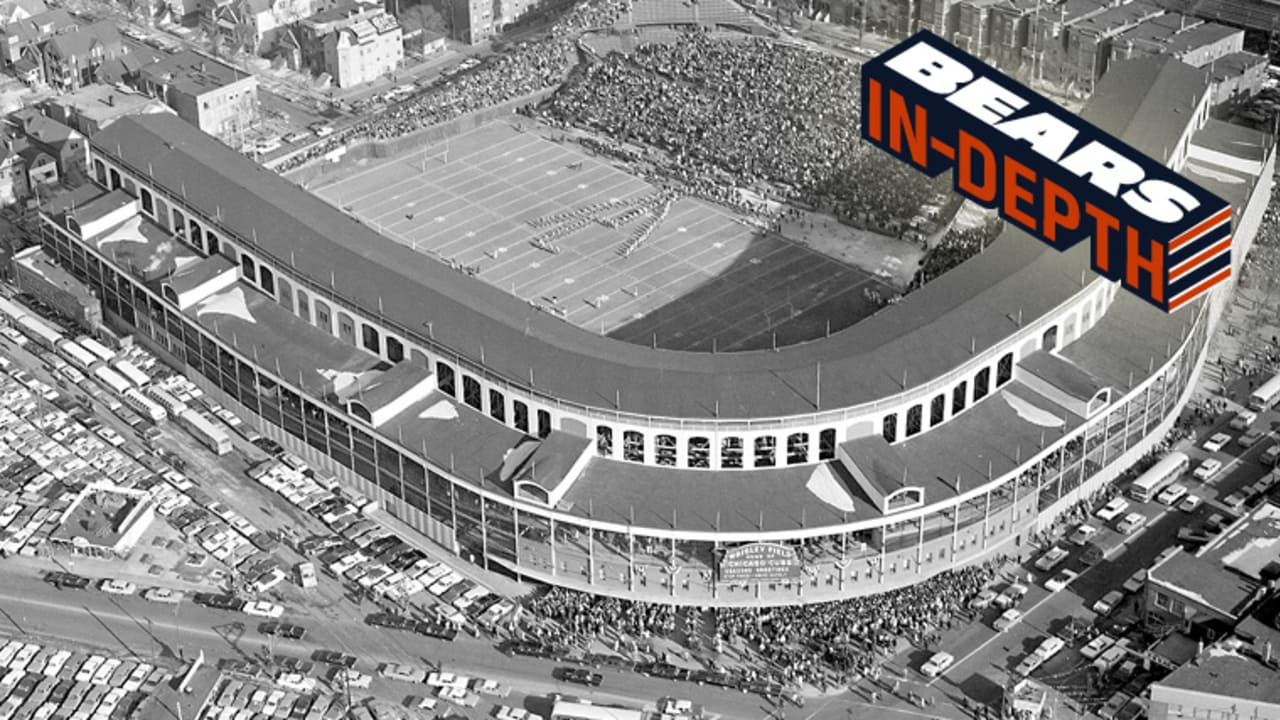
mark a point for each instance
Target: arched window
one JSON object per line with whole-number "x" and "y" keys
{"x": 115, "y": 179}
{"x": 148, "y": 203}
{"x": 323, "y": 318}
{"x": 100, "y": 171}
{"x": 604, "y": 440}
{"x": 267, "y": 280}
{"x": 889, "y": 428}
{"x": 358, "y": 410}
{"x": 699, "y": 452}
{"x": 766, "y": 451}
{"x": 937, "y": 410}
{"x": 827, "y": 444}
{"x": 213, "y": 245}
{"x": 497, "y": 403}
{"x": 371, "y": 340}
{"x": 249, "y": 268}
{"x": 959, "y": 397}
{"x": 1004, "y": 370}
{"x": 520, "y": 417}
{"x": 544, "y": 423}
{"x": 304, "y": 308}
{"x": 914, "y": 419}
{"x": 731, "y": 452}
{"x": 981, "y": 384}
{"x": 470, "y": 391}
{"x": 664, "y": 450}
{"x": 633, "y": 446}
{"x": 798, "y": 448}
{"x": 444, "y": 379}
{"x": 1049, "y": 341}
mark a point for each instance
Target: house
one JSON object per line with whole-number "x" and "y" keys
{"x": 364, "y": 50}
{"x": 13, "y": 174}
{"x": 12, "y": 11}
{"x": 255, "y": 26}
{"x": 22, "y": 38}
{"x": 215, "y": 97}
{"x": 71, "y": 59}
{"x": 94, "y": 107}
{"x": 67, "y": 148}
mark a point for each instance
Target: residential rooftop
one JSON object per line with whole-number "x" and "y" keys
{"x": 192, "y": 73}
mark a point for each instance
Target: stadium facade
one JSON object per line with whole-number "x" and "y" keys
{"x": 944, "y": 430}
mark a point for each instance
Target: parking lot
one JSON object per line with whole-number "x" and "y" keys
{"x": 43, "y": 680}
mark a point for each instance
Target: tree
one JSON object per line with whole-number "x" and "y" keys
{"x": 422, "y": 17}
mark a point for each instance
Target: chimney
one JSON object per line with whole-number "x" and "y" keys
{"x": 111, "y": 100}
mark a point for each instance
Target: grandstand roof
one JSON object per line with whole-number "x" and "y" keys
{"x": 198, "y": 273}
{"x": 1063, "y": 374}
{"x": 1147, "y": 102}
{"x": 930, "y": 332}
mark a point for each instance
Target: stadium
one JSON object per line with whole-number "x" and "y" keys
{"x": 939, "y": 431}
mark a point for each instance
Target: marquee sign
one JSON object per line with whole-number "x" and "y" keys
{"x": 1049, "y": 172}
{"x": 759, "y": 562}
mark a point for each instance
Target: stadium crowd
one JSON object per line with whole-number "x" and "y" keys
{"x": 744, "y": 113}
{"x": 791, "y": 645}
{"x": 523, "y": 69}
{"x": 958, "y": 245}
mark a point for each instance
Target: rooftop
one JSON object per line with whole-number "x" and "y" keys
{"x": 1115, "y": 19}
{"x": 1063, "y": 374}
{"x": 342, "y": 12}
{"x": 928, "y": 333}
{"x": 79, "y": 43}
{"x": 40, "y": 264}
{"x": 191, "y": 73}
{"x": 1233, "y": 64}
{"x": 98, "y": 518}
{"x": 1205, "y": 581}
{"x": 1233, "y": 669}
{"x": 103, "y": 103}
{"x": 1148, "y": 102}
{"x": 193, "y": 275}
{"x": 148, "y": 251}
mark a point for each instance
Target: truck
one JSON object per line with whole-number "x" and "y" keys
{"x": 204, "y": 430}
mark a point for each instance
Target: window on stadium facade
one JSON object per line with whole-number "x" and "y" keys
{"x": 664, "y": 450}
{"x": 889, "y": 428}
{"x": 304, "y": 310}
{"x": 395, "y": 349}
{"x": 214, "y": 245}
{"x": 544, "y": 423}
{"x": 100, "y": 171}
{"x": 699, "y": 452}
{"x": 520, "y": 415}
{"x": 766, "y": 451}
{"x": 369, "y": 337}
{"x": 267, "y": 280}
{"x": 1004, "y": 370}
{"x": 981, "y": 384}
{"x": 323, "y": 319}
{"x": 1049, "y": 340}
{"x": 444, "y": 379}
{"x": 959, "y": 397}
{"x": 471, "y": 391}
{"x": 248, "y": 268}
{"x": 731, "y": 452}
{"x": 915, "y": 417}
{"x": 798, "y": 448}
{"x": 497, "y": 406}
{"x": 633, "y": 446}
{"x": 937, "y": 410}
{"x": 148, "y": 202}
{"x": 346, "y": 328}
{"x": 604, "y": 439}
{"x": 827, "y": 444}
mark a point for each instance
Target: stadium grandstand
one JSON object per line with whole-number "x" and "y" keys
{"x": 940, "y": 432}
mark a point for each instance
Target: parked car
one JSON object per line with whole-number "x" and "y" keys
{"x": 1060, "y": 580}
{"x": 1216, "y": 442}
{"x": 262, "y": 608}
{"x": 1028, "y": 664}
{"x": 1173, "y": 494}
{"x": 1250, "y": 438}
{"x": 1007, "y": 619}
{"x": 1108, "y": 602}
{"x": 333, "y": 657}
{"x": 162, "y": 595}
{"x": 111, "y": 586}
{"x": 1135, "y": 581}
{"x": 1083, "y": 534}
{"x": 581, "y": 676}
{"x": 1207, "y": 469}
{"x": 937, "y": 664}
{"x": 1131, "y": 523}
{"x": 284, "y": 630}
{"x": 1112, "y": 509}
{"x": 1190, "y": 503}
{"x": 1271, "y": 456}
{"x": 1097, "y": 646}
{"x": 1052, "y": 559}
{"x": 1011, "y": 595}
{"x": 1243, "y": 420}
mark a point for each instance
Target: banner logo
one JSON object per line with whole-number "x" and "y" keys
{"x": 1047, "y": 171}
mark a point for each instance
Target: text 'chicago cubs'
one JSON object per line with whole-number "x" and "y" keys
{"x": 1048, "y": 172}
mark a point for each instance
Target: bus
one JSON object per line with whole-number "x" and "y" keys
{"x": 171, "y": 405}
{"x": 111, "y": 379}
{"x": 1264, "y": 398}
{"x": 202, "y": 429}
{"x": 104, "y": 353}
{"x": 145, "y": 407}
{"x": 132, "y": 373}
{"x": 81, "y": 358}
{"x": 1151, "y": 482}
